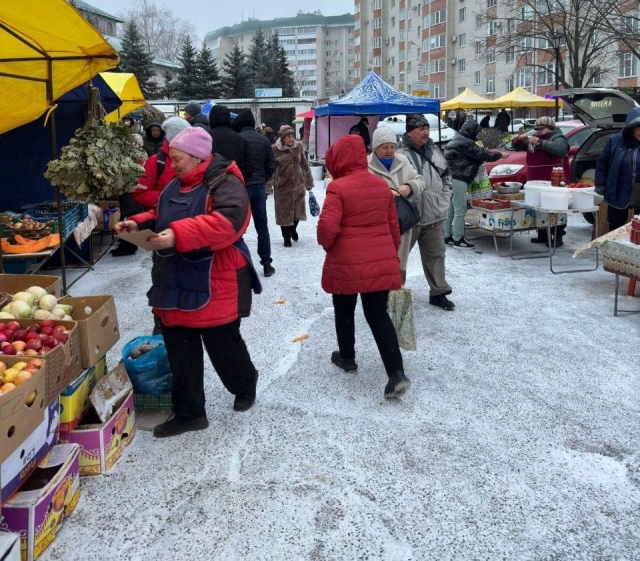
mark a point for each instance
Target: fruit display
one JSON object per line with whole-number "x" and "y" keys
{"x": 36, "y": 303}
{"x": 580, "y": 185}
{"x": 13, "y": 376}
{"x": 35, "y": 339}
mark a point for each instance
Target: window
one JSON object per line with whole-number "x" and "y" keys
{"x": 492, "y": 27}
{"x": 436, "y": 66}
{"x": 543, "y": 43}
{"x": 491, "y": 56}
{"x": 393, "y": 22}
{"x": 425, "y": 44}
{"x": 510, "y": 55}
{"x": 509, "y": 84}
{"x": 393, "y": 41}
{"x": 491, "y": 85}
{"x": 438, "y": 41}
{"x": 478, "y": 21}
{"x": 630, "y": 23}
{"x": 628, "y": 65}
{"x": 492, "y": 3}
{"x": 526, "y": 13}
{"x": 393, "y": 61}
{"x": 510, "y": 26}
{"x": 461, "y": 89}
{"x": 409, "y": 24}
{"x": 462, "y": 65}
{"x": 523, "y": 78}
{"x": 478, "y": 48}
{"x": 439, "y": 16}
{"x": 476, "y": 78}
{"x": 357, "y": 8}
{"x": 401, "y": 78}
{"x": 109, "y": 28}
{"x": 439, "y": 90}
{"x": 462, "y": 14}
{"x": 546, "y": 75}
{"x": 376, "y": 4}
{"x": 462, "y": 40}
{"x": 595, "y": 76}
{"x": 377, "y": 42}
{"x": 377, "y": 61}
{"x": 527, "y": 44}
{"x": 401, "y": 35}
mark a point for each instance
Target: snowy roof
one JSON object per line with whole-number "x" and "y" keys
{"x": 89, "y": 8}
{"x": 116, "y": 43}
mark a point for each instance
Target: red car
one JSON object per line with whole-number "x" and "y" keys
{"x": 514, "y": 168}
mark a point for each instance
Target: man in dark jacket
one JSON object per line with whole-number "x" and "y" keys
{"x": 226, "y": 142}
{"x": 153, "y": 138}
{"x": 362, "y": 128}
{"x": 502, "y": 121}
{"x": 193, "y": 114}
{"x": 263, "y": 166}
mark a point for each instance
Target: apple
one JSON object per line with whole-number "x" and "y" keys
{"x": 49, "y": 341}
{"x": 18, "y": 345}
{"x": 35, "y": 362}
{"x": 47, "y": 330}
{"x": 31, "y": 352}
{"x": 2, "y": 337}
{"x": 20, "y": 335}
{"x": 8, "y": 349}
{"x": 34, "y": 344}
{"x": 8, "y": 333}
{"x": 3, "y": 367}
{"x": 59, "y": 328}
{"x": 19, "y": 353}
{"x": 33, "y": 327}
{"x": 3, "y": 325}
{"x": 61, "y": 336}
{"x": 31, "y": 369}
{"x": 47, "y": 323}
{"x": 30, "y": 399}
{"x": 13, "y": 325}
{"x": 45, "y": 350}
{"x": 30, "y": 335}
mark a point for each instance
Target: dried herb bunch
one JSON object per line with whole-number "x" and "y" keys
{"x": 100, "y": 162}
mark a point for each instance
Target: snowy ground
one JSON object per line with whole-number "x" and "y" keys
{"x": 519, "y": 439}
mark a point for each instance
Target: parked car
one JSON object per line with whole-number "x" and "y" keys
{"x": 397, "y": 123}
{"x": 514, "y": 168}
{"x": 525, "y": 124}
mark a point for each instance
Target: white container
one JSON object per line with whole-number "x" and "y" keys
{"x": 555, "y": 198}
{"x": 582, "y": 199}
{"x": 532, "y": 191}
{"x": 316, "y": 173}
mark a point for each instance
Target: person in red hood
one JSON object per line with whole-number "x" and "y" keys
{"x": 199, "y": 298}
{"x": 358, "y": 229}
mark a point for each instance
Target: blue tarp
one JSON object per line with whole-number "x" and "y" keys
{"x": 26, "y": 151}
{"x": 373, "y": 96}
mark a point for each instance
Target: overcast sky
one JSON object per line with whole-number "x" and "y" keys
{"x": 208, "y": 16}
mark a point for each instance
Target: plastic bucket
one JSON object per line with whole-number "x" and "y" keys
{"x": 316, "y": 173}
{"x": 532, "y": 193}
{"x": 582, "y": 198}
{"x": 556, "y": 198}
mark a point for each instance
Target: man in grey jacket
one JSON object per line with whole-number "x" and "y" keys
{"x": 433, "y": 204}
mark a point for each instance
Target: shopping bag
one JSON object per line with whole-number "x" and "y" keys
{"x": 149, "y": 372}
{"x": 480, "y": 187}
{"x": 314, "y": 207}
{"x": 400, "y": 309}
{"x": 408, "y": 214}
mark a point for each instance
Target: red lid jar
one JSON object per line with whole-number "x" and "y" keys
{"x": 635, "y": 230}
{"x": 557, "y": 176}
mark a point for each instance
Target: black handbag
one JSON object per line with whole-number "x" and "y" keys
{"x": 408, "y": 214}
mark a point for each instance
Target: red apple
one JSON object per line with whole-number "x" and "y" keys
{"x": 8, "y": 333}
{"x": 61, "y": 336}
{"x": 59, "y": 328}
{"x": 35, "y": 362}
{"x": 34, "y": 327}
{"x": 47, "y": 330}
{"x": 47, "y": 323}
{"x": 2, "y": 337}
{"x": 30, "y": 335}
{"x": 8, "y": 349}
{"x": 19, "y": 345}
{"x": 49, "y": 341}
{"x": 45, "y": 350}
{"x": 20, "y": 335}
{"x": 34, "y": 344}
{"x": 28, "y": 368}
{"x": 13, "y": 325}
{"x": 3, "y": 326}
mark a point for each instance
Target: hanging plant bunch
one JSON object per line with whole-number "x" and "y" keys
{"x": 100, "y": 162}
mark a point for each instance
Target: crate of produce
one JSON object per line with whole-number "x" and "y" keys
{"x": 490, "y": 204}
{"x": 146, "y": 401}
{"x": 48, "y": 212}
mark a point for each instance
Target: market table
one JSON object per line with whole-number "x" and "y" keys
{"x": 622, "y": 258}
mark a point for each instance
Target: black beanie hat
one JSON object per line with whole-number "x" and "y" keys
{"x": 219, "y": 116}
{"x": 243, "y": 120}
{"x": 415, "y": 121}
{"x": 193, "y": 108}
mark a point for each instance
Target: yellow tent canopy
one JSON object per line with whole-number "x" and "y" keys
{"x": 468, "y": 99}
{"x": 522, "y": 98}
{"x": 126, "y": 87}
{"x": 46, "y": 49}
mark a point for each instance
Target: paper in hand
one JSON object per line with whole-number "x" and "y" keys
{"x": 139, "y": 238}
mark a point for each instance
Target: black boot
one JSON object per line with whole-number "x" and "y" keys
{"x": 347, "y": 364}
{"x": 286, "y": 234}
{"x": 124, "y": 248}
{"x": 397, "y": 385}
{"x": 294, "y": 232}
{"x": 542, "y": 237}
{"x": 246, "y": 400}
{"x": 175, "y": 426}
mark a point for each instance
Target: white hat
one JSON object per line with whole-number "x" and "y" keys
{"x": 382, "y": 135}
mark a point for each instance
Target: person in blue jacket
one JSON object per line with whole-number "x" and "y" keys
{"x": 618, "y": 172}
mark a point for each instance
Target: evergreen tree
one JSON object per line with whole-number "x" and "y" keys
{"x": 168, "y": 90}
{"x": 135, "y": 59}
{"x": 277, "y": 73}
{"x": 257, "y": 60}
{"x": 208, "y": 85}
{"x": 235, "y": 82}
{"x": 187, "y": 82}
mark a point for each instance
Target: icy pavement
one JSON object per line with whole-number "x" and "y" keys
{"x": 519, "y": 438}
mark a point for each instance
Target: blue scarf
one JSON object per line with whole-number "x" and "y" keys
{"x": 386, "y": 162}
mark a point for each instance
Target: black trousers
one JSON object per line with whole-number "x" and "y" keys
{"x": 618, "y": 216}
{"x": 228, "y": 354}
{"x": 374, "y": 305}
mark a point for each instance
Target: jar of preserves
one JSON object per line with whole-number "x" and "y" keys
{"x": 635, "y": 230}
{"x": 557, "y": 176}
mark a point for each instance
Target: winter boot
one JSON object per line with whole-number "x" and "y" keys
{"x": 347, "y": 364}
{"x": 124, "y": 248}
{"x": 541, "y": 238}
{"x": 286, "y": 234}
{"x": 294, "y": 232}
{"x": 245, "y": 401}
{"x": 397, "y": 385}
{"x": 175, "y": 426}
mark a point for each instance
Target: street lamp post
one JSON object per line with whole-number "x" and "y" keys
{"x": 556, "y": 46}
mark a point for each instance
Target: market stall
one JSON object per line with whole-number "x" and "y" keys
{"x": 468, "y": 99}
{"x": 128, "y": 90}
{"x": 520, "y": 98}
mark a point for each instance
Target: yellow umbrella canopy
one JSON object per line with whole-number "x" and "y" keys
{"x": 523, "y": 98}
{"x": 126, "y": 87}
{"x": 46, "y": 49}
{"x": 468, "y": 99}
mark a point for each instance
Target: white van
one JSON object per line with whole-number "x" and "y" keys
{"x": 397, "y": 123}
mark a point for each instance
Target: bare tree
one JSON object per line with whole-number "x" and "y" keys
{"x": 162, "y": 31}
{"x": 623, "y": 22}
{"x": 536, "y": 33}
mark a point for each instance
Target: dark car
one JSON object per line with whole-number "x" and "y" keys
{"x": 514, "y": 168}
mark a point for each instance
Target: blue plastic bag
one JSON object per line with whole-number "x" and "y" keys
{"x": 314, "y": 207}
{"x": 150, "y": 373}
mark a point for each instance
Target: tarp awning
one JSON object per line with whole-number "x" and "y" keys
{"x": 45, "y": 44}
{"x": 373, "y": 96}
{"x": 126, "y": 87}
{"x": 468, "y": 99}
{"x": 306, "y": 115}
{"x": 523, "y": 98}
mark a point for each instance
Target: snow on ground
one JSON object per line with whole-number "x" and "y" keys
{"x": 519, "y": 438}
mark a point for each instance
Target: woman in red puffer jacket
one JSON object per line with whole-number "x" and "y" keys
{"x": 358, "y": 229}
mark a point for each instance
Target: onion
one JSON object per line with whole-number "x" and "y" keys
{"x": 67, "y": 318}
{"x": 37, "y": 291}
{"x": 48, "y": 302}
{"x": 58, "y": 313}
{"x": 68, "y": 309}
{"x": 5, "y": 309}
{"x": 27, "y": 297}
{"x": 42, "y": 314}
{"x": 6, "y": 315}
{"x": 20, "y": 309}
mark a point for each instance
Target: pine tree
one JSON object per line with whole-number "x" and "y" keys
{"x": 135, "y": 59}
{"x": 277, "y": 71}
{"x": 187, "y": 82}
{"x": 168, "y": 90}
{"x": 235, "y": 82}
{"x": 208, "y": 85}
{"x": 257, "y": 60}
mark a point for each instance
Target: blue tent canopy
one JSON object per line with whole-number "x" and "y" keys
{"x": 373, "y": 96}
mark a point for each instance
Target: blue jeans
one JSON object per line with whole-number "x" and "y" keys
{"x": 258, "y": 200}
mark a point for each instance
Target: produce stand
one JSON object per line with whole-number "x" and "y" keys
{"x": 622, "y": 258}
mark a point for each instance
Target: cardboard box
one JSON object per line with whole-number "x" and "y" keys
{"x": 108, "y": 427}
{"x": 74, "y": 400}
{"x": 522, "y": 219}
{"x": 9, "y": 546}
{"x": 98, "y": 323}
{"x": 46, "y": 499}
{"x": 63, "y": 361}
{"x": 109, "y": 216}
{"x": 18, "y": 283}
{"x": 15, "y": 470}
{"x": 21, "y": 409}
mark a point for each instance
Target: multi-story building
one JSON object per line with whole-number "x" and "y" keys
{"x": 320, "y": 49}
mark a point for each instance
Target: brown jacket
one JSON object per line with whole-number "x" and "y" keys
{"x": 291, "y": 178}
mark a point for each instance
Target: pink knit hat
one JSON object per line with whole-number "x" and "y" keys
{"x": 194, "y": 141}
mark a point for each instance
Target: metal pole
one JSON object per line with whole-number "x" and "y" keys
{"x": 556, "y": 39}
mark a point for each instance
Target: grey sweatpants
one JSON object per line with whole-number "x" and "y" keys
{"x": 430, "y": 240}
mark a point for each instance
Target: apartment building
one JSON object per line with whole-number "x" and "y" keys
{"x": 446, "y": 46}
{"x": 320, "y": 49}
